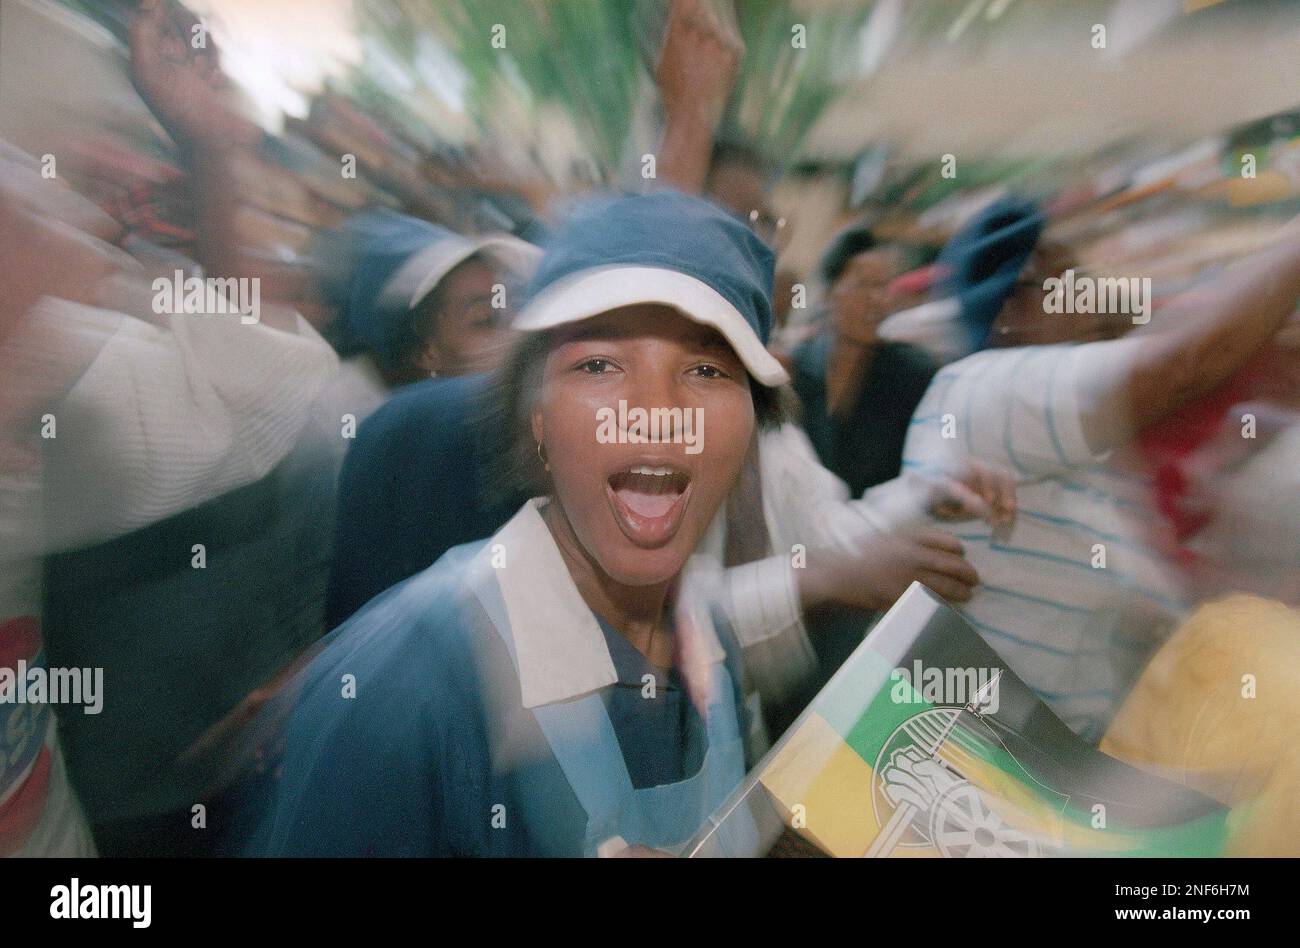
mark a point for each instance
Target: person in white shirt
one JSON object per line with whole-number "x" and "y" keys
{"x": 1070, "y": 595}
{"x": 109, "y": 423}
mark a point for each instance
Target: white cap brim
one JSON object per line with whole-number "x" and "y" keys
{"x": 601, "y": 289}
{"x": 420, "y": 275}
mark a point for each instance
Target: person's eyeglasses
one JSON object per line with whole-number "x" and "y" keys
{"x": 772, "y": 230}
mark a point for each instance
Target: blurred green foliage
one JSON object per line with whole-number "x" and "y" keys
{"x": 592, "y": 59}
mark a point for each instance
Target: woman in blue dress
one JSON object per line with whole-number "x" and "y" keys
{"x": 551, "y": 690}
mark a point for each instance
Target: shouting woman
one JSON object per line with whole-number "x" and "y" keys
{"x": 548, "y": 691}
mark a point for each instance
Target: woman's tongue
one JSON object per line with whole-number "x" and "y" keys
{"x": 646, "y": 495}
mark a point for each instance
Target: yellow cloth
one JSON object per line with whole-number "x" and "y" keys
{"x": 1218, "y": 708}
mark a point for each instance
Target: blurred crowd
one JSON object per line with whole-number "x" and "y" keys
{"x": 246, "y": 383}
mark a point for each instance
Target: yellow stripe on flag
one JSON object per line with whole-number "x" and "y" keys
{"x": 817, "y": 771}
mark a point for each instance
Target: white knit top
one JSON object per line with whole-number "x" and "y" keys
{"x": 148, "y": 419}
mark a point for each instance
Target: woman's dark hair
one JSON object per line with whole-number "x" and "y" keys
{"x": 514, "y": 467}
{"x": 847, "y": 244}
{"x": 738, "y": 154}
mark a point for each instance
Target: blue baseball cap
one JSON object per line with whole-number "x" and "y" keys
{"x": 982, "y": 263}
{"x": 985, "y": 259}
{"x": 667, "y": 248}
{"x": 384, "y": 264}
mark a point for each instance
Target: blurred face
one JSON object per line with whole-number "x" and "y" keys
{"x": 859, "y": 300}
{"x": 636, "y": 511}
{"x": 466, "y": 334}
{"x": 865, "y": 280}
{"x": 739, "y": 188}
{"x": 1024, "y": 320}
{"x": 743, "y": 191}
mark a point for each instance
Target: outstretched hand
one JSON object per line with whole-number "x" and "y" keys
{"x": 978, "y": 490}
{"x": 698, "y": 65}
{"x": 176, "y": 69}
{"x": 884, "y": 566}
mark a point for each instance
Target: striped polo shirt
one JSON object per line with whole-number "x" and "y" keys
{"x": 1071, "y": 595}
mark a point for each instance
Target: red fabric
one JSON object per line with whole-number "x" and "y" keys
{"x": 158, "y": 212}
{"x": 916, "y": 281}
{"x": 20, "y": 639}
{"x": 1167, "y": 446}
{"x": 20, "y": 814}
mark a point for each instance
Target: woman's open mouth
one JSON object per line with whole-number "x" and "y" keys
{"x": 649, "y": 501}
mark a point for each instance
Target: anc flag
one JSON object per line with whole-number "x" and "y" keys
{"x": 925, "y": 744}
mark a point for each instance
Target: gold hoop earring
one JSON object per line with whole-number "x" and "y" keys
{"x": 541, "y": 456}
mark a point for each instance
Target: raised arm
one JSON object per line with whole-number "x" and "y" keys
{"x": 151, "y": 416}
{"x": 186, "y": 90}
{"x": 695, "y": 75}
{"x": 1199, "y": 340}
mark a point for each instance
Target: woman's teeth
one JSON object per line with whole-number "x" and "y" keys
{"x": 649, "y": 492}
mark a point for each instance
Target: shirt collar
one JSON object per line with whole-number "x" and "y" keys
{"x": 560, "y": 651}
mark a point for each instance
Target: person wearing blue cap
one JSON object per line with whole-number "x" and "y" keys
{"x": 415, "y": 300}
{"x": 565, "y": 686}
{"x": 1073, "y": 596}
{"x": 548, "y": 691}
